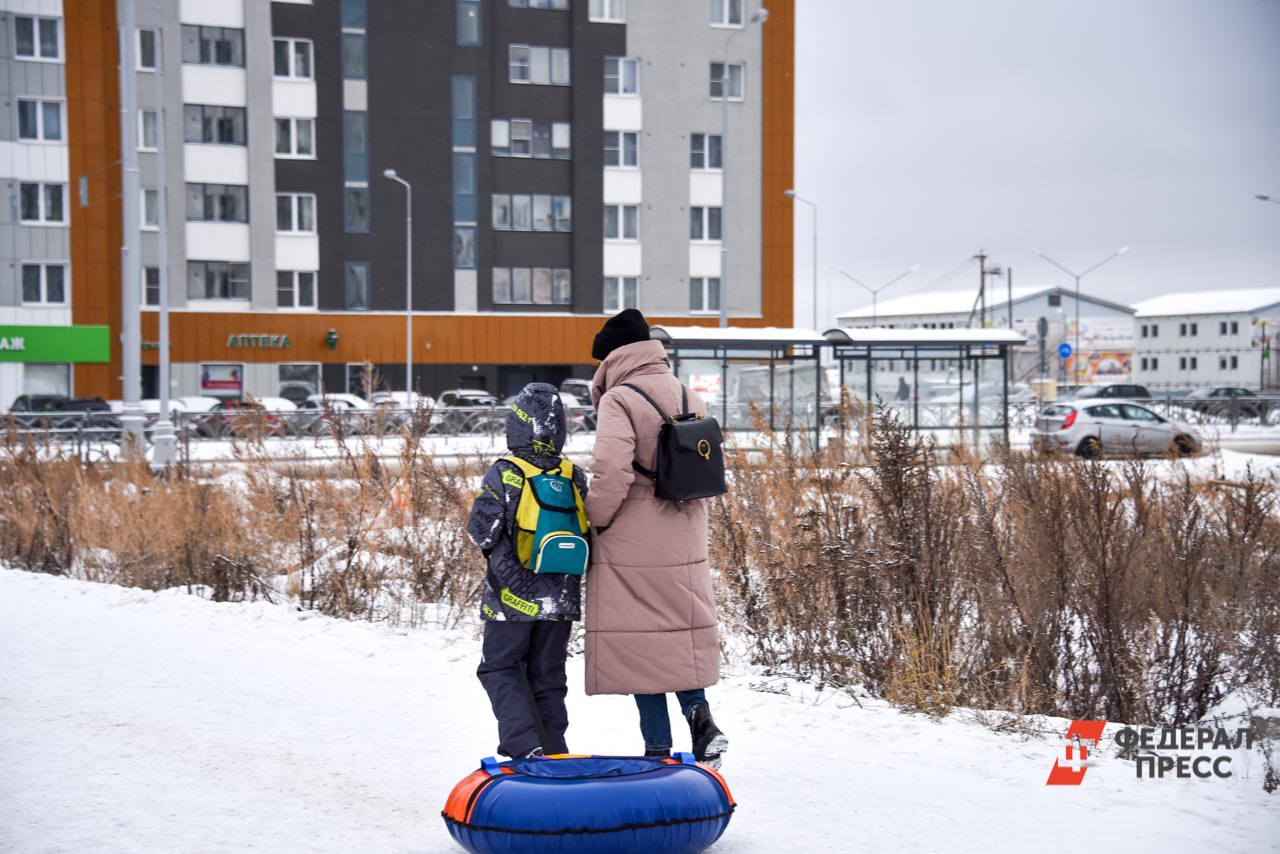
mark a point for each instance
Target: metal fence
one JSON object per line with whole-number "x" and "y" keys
{"x": 90, "y": 434}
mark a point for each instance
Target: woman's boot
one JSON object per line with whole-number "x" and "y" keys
{"x": 709, "y": 743}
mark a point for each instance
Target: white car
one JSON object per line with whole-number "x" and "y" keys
{"x": 1111, "y": 427}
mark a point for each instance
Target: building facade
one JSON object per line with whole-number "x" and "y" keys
{"x": 1105, "y": 338}
{"x": 37, "y": 339}
{"x": 1220, "y": 337}
{"x": 566, "y": 160}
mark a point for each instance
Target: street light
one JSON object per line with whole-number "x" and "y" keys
{"x": 408, "y": 283}
{"x": 1078, "y": 276}
{"x": 1260, "y": 197}
{"x": 875, "y": 292}
{"x": 792, "y": 194}
{"x": 761, "y": 15}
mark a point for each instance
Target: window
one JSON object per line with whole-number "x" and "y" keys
{"x": 468, "y": 22}
{"x": 539, "y": 4}
{"x": 295, "y": 289}
{"x": 355, "y": 209}
{"x": 148, "y": 130}
{"x": 1182, "y": 363}
{"x": 296, "y": 212}
{"x": 353, "y": 14}
{"x": 293, "y": 58}
{"x": 1144, "y": 363}
{"x": 705, "y": 151}
{"x": 46, "y": 379}
{"x": 523, "y": 212}
{"x": 464, "y": 111}
{"x": 621, "y": 148}
{"x": 1182, "y": 330}
{"x": 151, "y": 209}
{"x": 151, "y": 286}
{"x": 525, "y": 138}
{"x": 39, "y": 121}
{"x": 1235, "y": 327}
{"x": 704, "y": 224}
{"x": 355, "y": 60}
{"x": 464, "y": 188}
{"x": 44, "y": 284}
{"x": 146, "y": 50}
{"x": 1155, "y": 331}
{"x": 1195, "y": 363}
{"x": 212, "y": 46}
{"x": 356, "y": 285}
{"x": 608, "y": 11}
{"x": 619, "y": 293}
{"x": 1144, "y": 335}
{"x": 295, "y": 137}
{"x": 621, "y": 222}
{"x": 37, "y": 38}
{"x": 1235, "y": 362}
{"x": 355, "y": 146}
{"x": 726, "y": 13}
{"x": 621, "y": 76}
{"x": 1222, "y": 328}
{"x": 532, "y": 286}
{"x": 704, "y": 294}
{"x": 1222, "y": 363}
{"x": 213, "y": 125}
{"x": 41, "y": 204}
{"x": 464, "y": 248}
{"x": 545, "y": 65}
{"x": 1195, "y": 329}
{"x": 217, "y": 203}
{"x": 217, "y": 280}
{"x": 1155, "y": 364}
{"x": 718, "y": 80}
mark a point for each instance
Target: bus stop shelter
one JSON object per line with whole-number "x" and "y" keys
{"x": 954, "y": 382}
{"x": 772, "y": 374}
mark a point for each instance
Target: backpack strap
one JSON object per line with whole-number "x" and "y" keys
{"x": 652, "y": 475}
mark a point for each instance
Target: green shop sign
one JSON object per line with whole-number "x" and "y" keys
{"x": 265, "y": 342}
{"x": 55, "y": 344}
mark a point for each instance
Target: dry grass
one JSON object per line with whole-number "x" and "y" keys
{"x": 1026, "y": 584}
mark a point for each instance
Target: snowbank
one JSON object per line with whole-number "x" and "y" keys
{"x": 136, "y": 721}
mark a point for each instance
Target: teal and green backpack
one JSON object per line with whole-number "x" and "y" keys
{"x": 551, "y": 522}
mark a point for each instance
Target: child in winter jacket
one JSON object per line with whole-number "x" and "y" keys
{"x": 528, "y": 615}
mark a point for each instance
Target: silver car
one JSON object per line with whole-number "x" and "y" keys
{"x": 1111, "y": 427}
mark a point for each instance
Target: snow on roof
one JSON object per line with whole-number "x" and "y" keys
{"x": 963, "y": 301}
{"x": 1209, "y": 302}
{"x": 688, "y": 335}
{"x": 908, "y": 337}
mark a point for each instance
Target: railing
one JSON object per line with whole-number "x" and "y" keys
{"x": 92, "y": 435}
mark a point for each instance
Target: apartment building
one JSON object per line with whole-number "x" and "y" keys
{"x": 1217, "y": 337}
{"x": 566, "y": 159}
{"x": 37, "y": 339}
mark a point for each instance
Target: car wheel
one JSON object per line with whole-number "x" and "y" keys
{"x": 1183, "y": 446}
{"x": 1090, "y": 448}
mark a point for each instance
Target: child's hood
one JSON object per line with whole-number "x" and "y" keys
{"x": 535, "y": 424}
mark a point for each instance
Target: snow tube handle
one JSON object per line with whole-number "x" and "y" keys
{"x": 686, "y": 759}
{"x": 491, "y": 766}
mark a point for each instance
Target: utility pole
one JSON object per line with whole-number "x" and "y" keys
{"x": 982, "y": 288}
{"x": 163, "y": 437}
{"x": 132, "y": 418}
{"x": 1008, "y": 272}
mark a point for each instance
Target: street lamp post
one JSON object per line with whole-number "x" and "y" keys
{"x": 1075, "y": 379}
{"x": 795, "y": 196}
{"x": 761, "y": 15}
{"x": 875, "y": 292}
{"x": 132, "y": 418}
{"x": 408, "y": 284}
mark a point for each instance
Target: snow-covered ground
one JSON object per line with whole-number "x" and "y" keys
{"x": 137, "y": 721}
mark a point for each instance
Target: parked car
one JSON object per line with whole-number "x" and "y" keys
{"x": 468, "y": 410}
{"x": 1230, "y": 401}
{"x": 1111, "y": 427}
{"x": 579, "y": 388}
{"x": 1111, "y": 391}
{"x": 332, "y": 414}
{"x": 394, "y": 409}
{"x": 239, "y": 419}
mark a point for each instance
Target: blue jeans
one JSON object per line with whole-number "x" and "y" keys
{"x": 655, "y": 725}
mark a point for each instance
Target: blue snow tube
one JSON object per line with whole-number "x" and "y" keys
{"x": 589, "y": 805}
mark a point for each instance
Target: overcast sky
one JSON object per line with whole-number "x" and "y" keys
{"x": 929, "y": 129}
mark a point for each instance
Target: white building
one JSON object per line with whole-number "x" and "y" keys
{"x": 1106, "y": 328}
{"x": 1213, "y": 337}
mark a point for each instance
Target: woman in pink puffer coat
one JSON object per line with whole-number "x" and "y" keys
{"x": 650, "y": 610}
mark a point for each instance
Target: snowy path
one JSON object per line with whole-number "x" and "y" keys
{"x": 133, "y": 721}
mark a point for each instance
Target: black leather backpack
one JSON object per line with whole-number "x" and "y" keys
{"x": 690, "y": 454}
